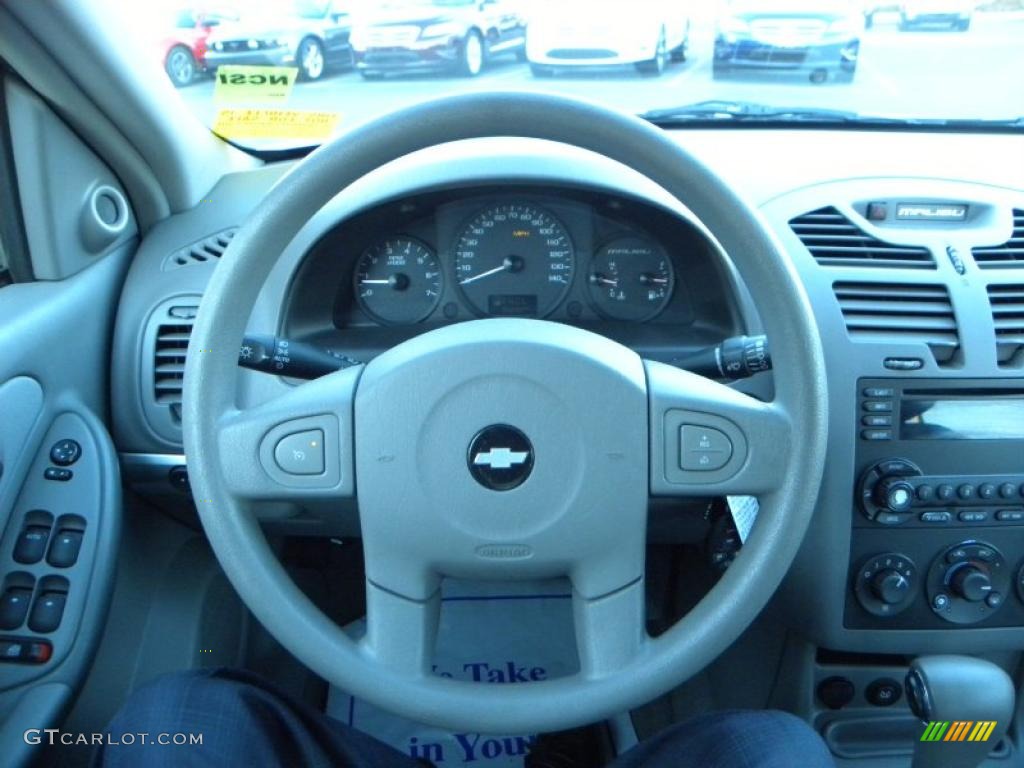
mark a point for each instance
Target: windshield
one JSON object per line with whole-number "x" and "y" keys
{"x": 279, "y": 74}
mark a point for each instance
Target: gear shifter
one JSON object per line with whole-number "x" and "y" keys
{"x": 965, "y": 694}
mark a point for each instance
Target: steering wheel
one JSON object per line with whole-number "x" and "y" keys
{"x": 505, "y": 448}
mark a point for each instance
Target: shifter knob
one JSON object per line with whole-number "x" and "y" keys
{"x": 958, "y": 689}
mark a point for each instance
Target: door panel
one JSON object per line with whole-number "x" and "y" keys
{"x": 60, "y": 509}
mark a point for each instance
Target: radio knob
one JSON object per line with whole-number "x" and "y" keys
{"x": 971, "y": 583}
{"x": 890, "y": 586}
{"x": 895, "y": 494}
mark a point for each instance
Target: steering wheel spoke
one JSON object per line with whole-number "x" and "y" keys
{"x": 296, "y": 447}
{"x": 401, "y": 631}
{"x": 708, "y": 439}
{"x": 609, "y": 630}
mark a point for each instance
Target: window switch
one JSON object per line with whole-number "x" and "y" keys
{"x": 31, "y": 544}
{"x": 47, "y": 612}
{"x": 64, "y": 549}
{"x": 14, "y": 607}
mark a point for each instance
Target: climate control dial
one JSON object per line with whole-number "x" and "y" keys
{"x": 886, "y": 584}
{"x": 968, "y": 582}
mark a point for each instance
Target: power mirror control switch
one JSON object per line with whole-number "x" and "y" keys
{"x": 65, "y": 452}
{"x": 301, "y": 453}
{"x": 65, "y": 548}
{"x": 31, "y": 544}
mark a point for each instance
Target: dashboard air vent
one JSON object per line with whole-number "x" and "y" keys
{"x": 169, "y": 365}
{"x": 901, "y": 313}
{"x": 1009, "y": 254}
{"x": 835, "y": 241}
{"x": 1008, "y": 316}
{"x": 201, "y": 251}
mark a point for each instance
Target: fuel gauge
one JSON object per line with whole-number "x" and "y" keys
{"x": 631, "y": 279}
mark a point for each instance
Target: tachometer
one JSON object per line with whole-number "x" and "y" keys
{"x": 631, "y": 278}
{"x": 398, "y": 280}
{"x": 514, "y": 259}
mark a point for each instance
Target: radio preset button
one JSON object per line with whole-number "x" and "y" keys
{"x": 944, "y": 492}
{"x": 1010, "y": 515}
{"x": 878, "y": 406}
{"x": 924, "y": 492}
{"x": 973, "y": 516}
{"x": 885, "y": 421}
{"x": 903, "y": 363}
{"x": 879, "y": 392}
{"x": 987, "y": 490}
{"x": 936, "y": 517}
{"x": 965, "y": 491}
{"x": 888, "y": 518}
{"x": 1007, "y": 490}
{"x": 876, "y": 434}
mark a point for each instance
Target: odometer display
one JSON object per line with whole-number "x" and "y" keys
{"x": 514, "y": 259}
{"x": 398, "y": 280}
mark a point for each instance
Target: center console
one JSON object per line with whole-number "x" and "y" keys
{"x": 938, "y": 524}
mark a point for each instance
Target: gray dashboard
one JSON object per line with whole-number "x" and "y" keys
{"x": 834, "y": 175}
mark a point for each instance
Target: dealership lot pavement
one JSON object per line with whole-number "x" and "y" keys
{"x": 922, "y": 73}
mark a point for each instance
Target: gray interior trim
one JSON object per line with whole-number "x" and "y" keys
{"x": 36, "y": 66}
{"x": 59, "y": 180}
{"x": 84, "y": 60}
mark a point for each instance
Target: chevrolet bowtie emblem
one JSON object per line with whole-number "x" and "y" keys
{"x": 501, "y": 458}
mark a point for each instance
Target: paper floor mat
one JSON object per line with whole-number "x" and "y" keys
{"x": 489, "y": 633}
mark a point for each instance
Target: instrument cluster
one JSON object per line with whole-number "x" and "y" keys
{"x": 625, "y": 268}
{"x": 513, "y": 257}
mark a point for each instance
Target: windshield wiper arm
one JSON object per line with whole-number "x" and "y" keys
{"x": 726, "y": 111}
{"x": 715, "y": 110}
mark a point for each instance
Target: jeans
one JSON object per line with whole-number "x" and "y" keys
{"x": 245, "y": 721}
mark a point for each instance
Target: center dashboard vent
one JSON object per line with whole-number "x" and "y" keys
{"x": 1008, "y": 317}
{"x": 1009, "y": 254}
{"x": 202, "y": 251}
{"x": 835, "y": 241}
{"x": 902, "y": 313}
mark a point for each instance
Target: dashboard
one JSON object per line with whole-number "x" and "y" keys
{"x": 915, "y": 278}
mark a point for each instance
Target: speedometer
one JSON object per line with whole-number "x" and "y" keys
{"x": 514, "y": 259}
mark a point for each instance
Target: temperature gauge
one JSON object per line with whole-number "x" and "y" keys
{"x": 398, "y": 281}
{"x": 631, "y": 279}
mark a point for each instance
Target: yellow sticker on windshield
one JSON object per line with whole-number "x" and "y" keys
{"x": 300, "y": 124}
{"x": 237, "y": 84}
